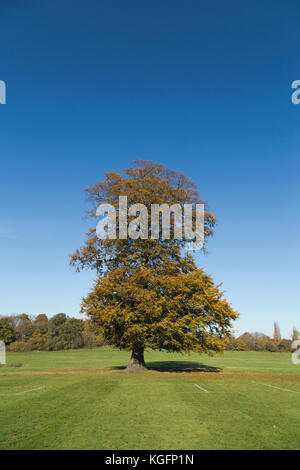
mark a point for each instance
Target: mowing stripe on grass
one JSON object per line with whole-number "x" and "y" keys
{"x": 201, "y": 388}
{"x": 278, "y": 388}
{"x": 26, "y": 391}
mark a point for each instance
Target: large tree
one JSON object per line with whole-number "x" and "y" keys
{"x": 149, "y": 292}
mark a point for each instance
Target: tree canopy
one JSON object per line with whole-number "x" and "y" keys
{"x": 150, "y": 293}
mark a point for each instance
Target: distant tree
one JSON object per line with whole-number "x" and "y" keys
{"x": 6, "y": 331}
{"x": 24, "y": 333}
{"x": 54, "y": 341}
{"x": 247, "y": 340}
{"x": 260, "y": 342}
{"x": 64, "y": 333}
{"x": 258, "y": 335}
{"x": 92, "y": 337}
{"x": 24, "y": 316}
{"x": 19, "y": 346}
{"x": 295, "y": 334}
{"x": 277, "y": 335}
{"x": 230, "y": 343}
{"x": 239, "y": 345}
{"x": 270, "y": 346}
{"x": 58, "y": 319}
{"x": 24, "y": 329}
{"x": 41, "y": 323}
{"x": 38, "y": 342}
{"x": 70, "y": 333}
{"x": 285, "y": 345}
{"x": 13, "y": 320}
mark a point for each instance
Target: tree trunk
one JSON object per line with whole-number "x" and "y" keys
{"x": 137, "y": 362}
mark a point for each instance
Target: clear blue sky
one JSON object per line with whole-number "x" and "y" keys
{"x": 203, "y": 87}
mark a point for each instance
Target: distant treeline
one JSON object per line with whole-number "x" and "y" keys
{"x": 262, "y": 342}
{"x": 25, "y": 333}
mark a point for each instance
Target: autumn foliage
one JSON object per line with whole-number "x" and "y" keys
{"x": 149, "y": 293}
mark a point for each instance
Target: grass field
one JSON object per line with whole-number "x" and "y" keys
{"x": 83, "y": 400}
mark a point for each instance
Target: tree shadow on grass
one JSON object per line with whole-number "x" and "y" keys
{"x": 181, "y": 366}
{"x": 176, "y": 366}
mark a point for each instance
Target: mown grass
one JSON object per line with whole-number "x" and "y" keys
{"x": 84, "y": 400}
